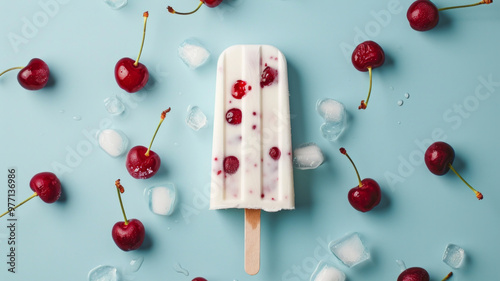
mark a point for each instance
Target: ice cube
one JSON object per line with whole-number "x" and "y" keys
{"x": 331, "y": 110}
{"x": 104, "y": 273}
{"x": 114, "y": 106}
{"x": 454, "y": 256}
{"x": 161, "y": 199}
{"x": 335, "y": 117}
{"x": 327, "y": 272}
{"x": 307, "y": 156}
{"x": 350, "y": 250}
{"x": 116, "y": 4}
{"x": 113, "y": 142}
{"x": 193, "y": 53}
{"x": 196, "y": 119}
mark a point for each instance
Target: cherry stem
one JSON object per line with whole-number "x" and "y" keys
{"x": 12, "y": 68}
{"x": 343, "y": 151}
{"x": 163, "y": 114}
{"x": 145, "y": 15}
{"x": 172, "y": 11}
{"x": 478, "y": 194}
{"x": 465, "y": 6}
{"x": 120, "y": 190}
{"x": 15, "y": 207}
{"x": 363, "y": 103}
{"x": 447, "y": 276}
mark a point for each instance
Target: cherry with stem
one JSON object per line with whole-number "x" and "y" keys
{"x": 142, "y": 162}
{"x": 439, "y": 158}
{"x": 45, "y": 185}
{"x": 367, "y": 194}
{"x": 128, "y": 234}
{"x": 33, "y": 76}
{"x": 132, "y": 75}
{"x": 365, "y": 57}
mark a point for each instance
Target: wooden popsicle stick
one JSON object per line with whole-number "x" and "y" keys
{"x": 252, "y": 241}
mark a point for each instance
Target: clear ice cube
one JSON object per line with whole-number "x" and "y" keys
{"x": 161, "y": 199}
{"x": 114, "y": 106}
{"x": 136, "y": 264}
{"x": 193, "y": 53}
{"x": 327, "y": 272}
{"x": 113, "y": 142}
{"x": 104, "y": 273}
{"x": 335, "y": 117}
{"x": 350, "y": 250}
{"x": 196, "y": 119}
{"x": 307, "y": 156}
{"x": 331, "y": 110}
{"x": 454, "y": 256}
{"x": 116, "y": 4}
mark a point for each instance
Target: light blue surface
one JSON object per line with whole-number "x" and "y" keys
{"x": 419, "y": 215}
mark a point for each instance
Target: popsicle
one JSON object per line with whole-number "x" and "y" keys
{"x": 252, "y": 151}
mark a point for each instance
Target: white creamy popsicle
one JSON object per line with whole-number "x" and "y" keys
{"x": 252, "y": 150}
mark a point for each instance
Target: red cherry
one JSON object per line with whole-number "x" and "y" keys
{"x": 366, "y": 195}
{"x": 208, "y": 3}
{"x": 439, "y": 158}
{"x": 34, "y": 76}
{"x": 199, "y": 279}
{"x": 268, "y": 76}
{"x": 233, "y": 116}
{"x": 46, "y": 185}
{"x": 275, "y": 153}
{"x": 414, "y": 274}
{"x": 231, "y": 164}
{"x": 240, "y": 89}
{"x": 142, "y": 162}
{"x": 139, "y": 165}
{"x": 422, "y": 15}
{"x": 132, "y": 75}
{"x": 365, "y": 57}
{"x": 129, "y": 234}
{"x": 129, "y": 76}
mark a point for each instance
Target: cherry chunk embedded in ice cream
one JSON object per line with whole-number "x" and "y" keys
{"x": 233, "y": 116}
{"x": 240, "y": 89}
{"x": 231, "y": 164}
{"x": 268, "y": 76}
{"x": 275, "y": 153}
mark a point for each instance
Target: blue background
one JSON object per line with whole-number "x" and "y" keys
{"x": 419, "y": 215}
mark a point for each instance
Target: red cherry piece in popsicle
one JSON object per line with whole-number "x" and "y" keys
{"x": 275, "y": 153}
{"x": 233, "y": 116}
{"x": 268, "y": 76}
{"x": 231, "y": 164}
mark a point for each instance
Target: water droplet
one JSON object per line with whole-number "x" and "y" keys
{"x": 77, "y": 117}
{"x": 136, "y": 264}
{"x": 400, "y": 102}
{"x": 179, "y": 269}
{"x": 176, "y": 144}
{"x": 392, "y": 88}
{"x": 399, "y": 122}
{"x": 62, "y": 111}
{"x": 407, "y": 95}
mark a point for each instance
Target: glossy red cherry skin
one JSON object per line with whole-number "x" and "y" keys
{"x": 35, "y": 75}
{"x": 47, "y": 186}
{"x": 367, "y": 54}
{"x": 365, "y": 197}
{"x": 422, "y": 15}
{"x": 128, "y": 236}
{"x": 139, "y": 165}
{"x": 438, "y": 158}
{"x": 129, "y": 77}
{"x": 212, "y": 3}
{"x": 414, "y": 274}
